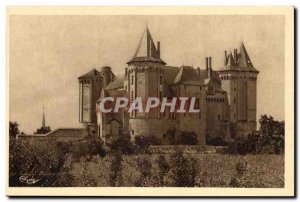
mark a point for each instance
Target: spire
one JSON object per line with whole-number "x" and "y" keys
{"x": 146, "y": 50}
{"x": 244, "y": 59}
{"x": 43, "y": 121}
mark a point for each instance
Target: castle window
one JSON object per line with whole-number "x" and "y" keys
{"x": 200, "y": 88}
{"x": 131, "y": 95}
{"x": 132, "y": 132}
{"x": 234, "y": 100}
{"x": 234, "y": 116}
{"x": 234, "y": 89}
{"x": 160, "y": 80}
{"x": 219, "y": 117}
{"x": 131, "y": 79}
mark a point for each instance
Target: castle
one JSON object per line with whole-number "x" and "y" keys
{"x": 226, "y": 97}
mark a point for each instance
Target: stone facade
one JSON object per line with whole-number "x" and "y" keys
{"x": 226, "y": 98}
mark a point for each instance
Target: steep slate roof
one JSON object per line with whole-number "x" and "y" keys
{"x": 242, "y": 62}
{"x": 146, "y": 50}
{"x": 169, "y": 76}
{"x": 187, "y": 75}
{"x": 212, "y": 80}
{"x": 118, "y": 82}
{"x": 92, "y": 73}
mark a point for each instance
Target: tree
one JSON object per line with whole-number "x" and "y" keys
{"x": 268, "y": 139}
{"x": 13, "y": 129}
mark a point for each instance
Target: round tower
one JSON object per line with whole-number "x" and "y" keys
{"x": 145, "y": 78}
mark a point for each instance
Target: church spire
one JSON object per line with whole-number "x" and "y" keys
{"x": 43, "y": 121}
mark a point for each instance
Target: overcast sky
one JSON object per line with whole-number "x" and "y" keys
{"x": 48, "y": 53}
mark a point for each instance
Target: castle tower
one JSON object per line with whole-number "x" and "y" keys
{"x": 145, "y": 78}
{"x": 239, "y": 79}
{"x": 90, "y": 86}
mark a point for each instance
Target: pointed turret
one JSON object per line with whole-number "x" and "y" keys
{"x": 238, "y": 61}
{"x": 146, "y": 50}
{"x": 244, "y": 59}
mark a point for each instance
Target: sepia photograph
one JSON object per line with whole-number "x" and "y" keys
{"x": 127, "y": 101}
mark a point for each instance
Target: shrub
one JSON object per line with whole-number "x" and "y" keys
{"x": 187, "y": 138}
{"x": 237, "y": 179}
{"x": 183, "y": 170}
{"x": 123, "y": 145}
{"x": 144, "y": 166}
{"x": 217, "y": 141}
{"x": 144, "y": 142}
{"x": 163, "y": 169}
{"x": 36, "y": 165}
{"x": 115, "y": 176}
{"x": 88, "y": 147}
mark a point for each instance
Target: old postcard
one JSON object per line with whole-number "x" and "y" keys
{"x": 150, "y": 101}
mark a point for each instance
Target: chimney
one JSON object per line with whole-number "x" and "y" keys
{"x": 235, "y": 54}
{"x": 225, "y": 60}
{"x": 206, "y": 63}
{"x": 158, "y": 48}
{"x": 209, "y": 71}
{"x": 198, "y": 71}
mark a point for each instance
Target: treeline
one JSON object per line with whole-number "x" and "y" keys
{"x": 269, "y": 139}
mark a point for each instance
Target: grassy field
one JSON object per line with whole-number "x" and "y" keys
{"x": 212, "y": 170}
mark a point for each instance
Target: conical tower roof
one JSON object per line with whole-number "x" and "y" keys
{"x": 244, "y": 59}
{"x": 146, "y": 50}
{"x": 242, "y": 62}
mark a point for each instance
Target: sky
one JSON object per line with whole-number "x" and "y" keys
{"x": 48, "y": 53}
